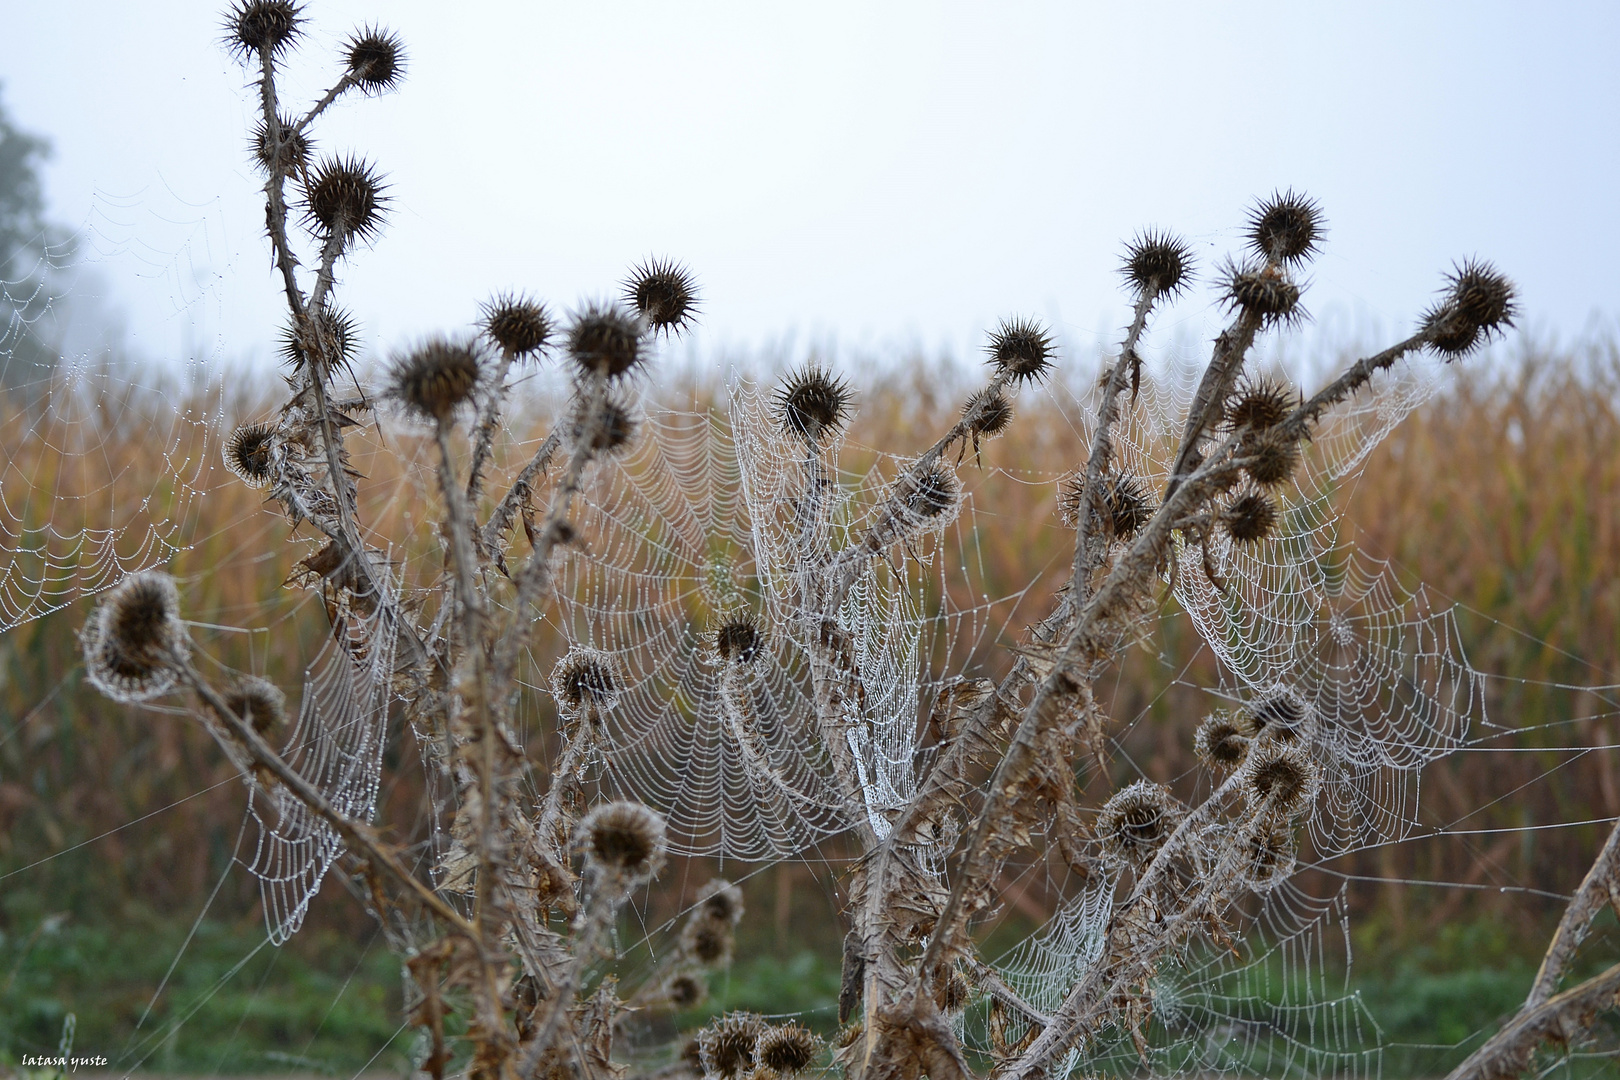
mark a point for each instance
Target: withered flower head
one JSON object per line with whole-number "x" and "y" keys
{"x": 931, "y": 496}
{"x": 609, "y": 430}
{"x": 329, "y": 334}
{"x": 812, "y": 403}
{"x": 130, "y": 639}
{"x": 1280, "y": 776}
{"x": 1275, "y": 456}
{"x": 1281, "y": 714}
{"x": 625, "y": 839}
{"x": 686, "y": 991}
{"x": 1287, "y": 227}
{"x": 1479, "y": 302}
{"x": 1220, "y": 743}
{"x": 259, "y": 702}
{"x": 519, "y": 326}
{"x": 738, "y": 639}
{"x": 584, "y": 676}
{"x": 708, "y": 941}
{"x": 249, "y": 453}
{"x": 1268, "y": 853}
{"x": 787, "y": 1049}
{"x": 720, "y": 900}
{"x": 1264, "y": 291}
{"x": 290, "y": 155}
{"x": 345, "y": 198}
{"x": 1136, "y": 821}
{"x": 665, "y": 293}
{"x": 436, "y": 378}
{"x": 1259, "y": 404}
{"x": 726, "y": 1046}
{"x": 1127, "y": 503}
{"x": 993, "y": 413}
{"x": 1250, "y": 518}
{"x": 376, "y": 59}
{"x": 605, "y": 339}
{"x": 1022, "y": 348}
{"x": 252, "y": 26}
{"x": 1158, "y": 263}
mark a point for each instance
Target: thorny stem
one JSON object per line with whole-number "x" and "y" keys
{"x": 1300, "y": 420}
{"x": 598, "y": 915}
{"x": 487, "y": 416}
{"x": 518, "y": 494}
{"x": 349, "y": 79}
{"x": 1601, "y": 886}
{"x": 274, "y": 187}
{"x": 1230, "y": 349}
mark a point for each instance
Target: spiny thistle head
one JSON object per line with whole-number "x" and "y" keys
{"x": 609, "y": 429}
{"x": 1127, "y": 504}
{"x": 1250, "y": 518}
{"x": 259, "y": 702}
{"x": 254, "y": 26}
{"x": 1273, "y": 454}
{"x": 519, "y": 327}
{"x": 1268, "y": 850}
{"x": 737, "y": 639}
{"x": 812, "y": 403}
{"x": 930, "y": 498}
{"x": 327, "y": 334}
{"x": 1263, "y": 291}
{"x": 1022, "y": 348}
{"x": 584, "y": 677}
{"x": 664, "y": 293}
{"x": 131, "y": 638}
{"x": 436, "y": 378}
{"x": 1136, "y": 821}
{"x": 288, "y": 155}
{"x": 1287, "y": 227}
{"x": 1281, "y": 715}
{"x": 686, "y": 991}
{"x": 726, "y": 1046}
{"x": 250, "y": 454}
{"x": 606, "y": 340}
{"x": 623, "y": 839}
{"x": 1157, "y": 263}
{"x": 1281, "y": 777}
{"x": 788, "y": 1049}
{"x": 1479, "y": 302}
{"x": 345, "y": 199}
{"x": 1259, "y": 403}
{"x": 375, "y": 58}
{"x": 1220, "y": 743}
{"x": 991, "y": 413}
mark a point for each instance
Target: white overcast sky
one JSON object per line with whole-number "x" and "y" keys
{"x": 866, "y": 176}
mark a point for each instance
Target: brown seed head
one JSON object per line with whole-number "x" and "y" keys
{"x": 345, "y": 199}
{"x": 992, "y": 413}
{"x": 720, "y": 900}
{"x": 1250, "y": 518}
{"x": 1263, "y": 291}
{"x": 708, "y": 941}
{"x": 1283, "y": 778}
{"x": 1281, "y": 715}
{"x": 376, "y": 59}
{"x": 1136, "y": 821}
{"x": 1286, "y": 228}
{"x": 787, "y": 1049}
{"x": 1022, "y": 348}
{"x": 625, "y": 839}
{"x": 738, "y": 639}
{"x": 1269, "y": 853}
{"x": 665, "y": 293}
{"x": 609, "y": 429}
{"x": 130, "y": 639}
{"x": 1220, "y": 743}
{"x": 1127, "y": 505}
{"x": 726, "y": 1046}
{"x": 254, "y": 26}
{"x": 1158, "y": 263}
{"x": 259, "y": 702}
{"x": 249, "y": 453}
{"x": 289, "y": 155}
{"x": 1479, "y": 303}
{"x": 686, "y": 991}
{"x": 1275, "y": 456}
{"x": 584, "y": 676}
{"x": 519, "y": 326}
{"x": 329, "y": 335}
{"x": 931, "y": 496}
{"x": 605, "y": 339}
{"x": 812, "y": 403}
{"x": 1259, "y": 404}
{"x": 436, "y": 378}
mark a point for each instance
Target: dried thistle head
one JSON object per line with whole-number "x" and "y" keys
{"x": 519, "y": 327}
{"x": 258, "y": 702}
{"x": 375, "y": 59}
{"x": 1259, "y": 403}
{"x": 1281, "y": 715}
{"x": 328, "y": 335}
{"x": 131, "y": 639}
{"x": 624, "y": 840}
{"x": 1478, "y": 303}
{"x": 813, "y": 403}
{"x": 250, "y": 454}
{"x": 436, "y": 378}
{"x": 1136, "y": 822}
{"x": 726, "y": 1046}
{"x": 1264, "y": 291}
{"x": 584, "y": 677}
{"x": 606, "y": 340}
{"x": 931, "y": 498}
{"x": 720, "y": 900}
{"x": 1157, "y": 263}
{"x": 991, "y": 412}
{"x": 708, "y": 941}
{"x": 787, "y": 1049}
{"x": 664, "y": 293}
{"x": 1250, "y": 517}
{"x": 1220, "y": 742}
{"x": 344, "y": 198}
{"x": 1287, "y": 227}
{"x": 289, "y": 155}
{"x": 1127, "y": 504}
{"x": 686, "y": 991}
{"x": 1282, "y": 778}
{"x": 1022, "y": 348}
{"x": 1274, "y": 456}
{"x": 737, "y": 639}
{"x": 1268, "y": 853}
{"x": 253, "y": 27}
{"x": 609, "y": 429}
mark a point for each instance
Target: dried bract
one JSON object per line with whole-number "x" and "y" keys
{"x": 623, "y": 839}
{"x": 1022, "y": 348}
{"x": 584, "y": 677}
{"x": 436, "y": 378}
{"x": 1157, "y": 263}
{"x": 258, "y": 702}
{"x": 345, "y": 199}
{"x": 665, "y": 293}
{"x": 1136, "y": 821}
{"x": 131, "y": 639}
{"x": 254, "y": 26}
{"x": 788, "y": 1049}
{"x": 249, "y": 453}
{"x": 812, "y": 403}
{"x": 1220, "y": 743}
{"x": 606, "y": 340}
{"x": 1286, "y": 228}
{"x": 519, "y": 326}
{"x": 376, "y": 59}
{"x": 1127, "y": 504}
